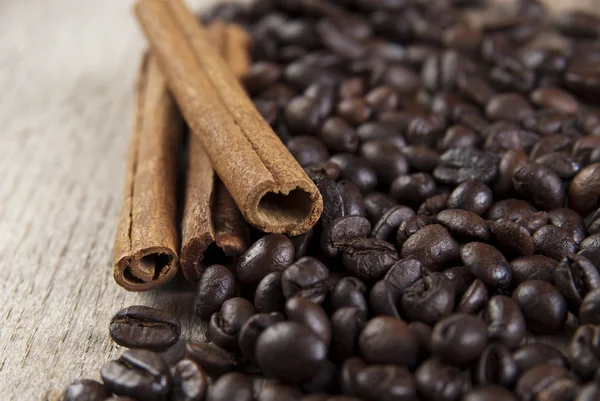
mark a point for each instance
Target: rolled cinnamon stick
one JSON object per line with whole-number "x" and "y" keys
{"x": 271, "y": 189}
{"x": 146, "y": 243}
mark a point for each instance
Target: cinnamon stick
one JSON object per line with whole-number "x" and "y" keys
{"x": 145, "y": 255}
{"x": 210, "y": 219}
{"x": 271, "y": 189}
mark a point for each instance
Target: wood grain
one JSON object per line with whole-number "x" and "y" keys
{"x": 67, "y": 73}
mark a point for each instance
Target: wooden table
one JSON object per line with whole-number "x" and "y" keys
{"x": 67, "y": 70}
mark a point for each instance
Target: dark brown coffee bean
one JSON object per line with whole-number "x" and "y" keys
{"x": 343, "y": 231}
{"x": 460, "y": 278}
{"x": 214, "y": 360}
{"x": 376, "y": 204}
{"x": 262, "y": 74}
{"x": 428, "y": 300}
{"x": 138, "y": 373}
{"x": 252, "y": 329}
{"x": 458, "y": 136}
{"x": 305, "y": 278}
{"x": 538, "y": 354}
{"x": 421, "y": 158}
{"x": 425, "y": 130}
{"x": 545, "y": 382}
{"x": 475, "y": 88}
{"x": 352, "y": 198}
{"x": 471, "y": 195}
{"x": 189, "y": 381}
{"x": 273, "y": 391}
{"x": 433, "y": 246}
{"x": 86, "y": 390}
{"x": 216, "y": 286}
{"x": 489, "y": 393}
{"x": 356, "y": 170}
{"x": 512, "y": 239}
{"x": 554, "y": 242}
{"x": 533, "y": 221}
{"x": 458, "y": 165}
{"x": 506, "y": 323}
{"x": 369, "y": 259}
{"x": 351, "y": 87}
{"x": 540, "y": 184}
{"x": 376, "y": 130}
{"x": 496, "y": 366}
{"x": 271, "y": 253}
{"x": 231, "y": 386}
{"x": 575, "y": 276}
{"x": 411, "y": 226}
{"x": 584, "y": 351}
{"x": 302, "y": 115}
{"x": 589, "y": 311}
{"x": 144, "y": 327}
{"x": 570, "y": 221}
{"x": 387, "y": 340}
{"x": 302, "y": 310}
{"x": 354, "y": 110}
{"x": 387, "y": 226}
{"x": 508, "y": 106}
{"x": 290, "y": 341}
{"x": 510, "y": 209}
{"x": 385, "y": 383}
{"x": 564, "y": 165}
{"x": 584, "y": 190}
{"x": 487, "y": 264}
{"x": 349, "y": 291}
{"x": 338, "y": 41}
{"x": 544, "y": 308}
{"x": 556, "y": 99}
{"x": 226, "y": 324}
{"x": 590, "y": 243}
{"x": 338, "y": 136}
{"x": 307, "y": 150}
{"x": 464, "y": 225}
{"x": 269, "y": 294}
{"x": 510, "y": 74}
{"x": 474, "y": 299}
{"x": 582, "y": 78}
{"x": 459, "y": 339}
{"x": 386, "y": 159}
{"x": 333, "y": 204}
{"x": 382, "y": 98}
{"x": 533, "y": 267}
{"x": 589, "y": 392}
{"x": 434, "y": 204}
{"x": 510, "y": 162}
{"x": 437, "y": 381}
{"x": 413, "y": 189}
{"x": 383, "y": 299}
{"x": 346, "y": 325}
{"x": 327, "y": 169}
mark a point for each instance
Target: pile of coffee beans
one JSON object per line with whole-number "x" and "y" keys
{"x": 456, "y": 145}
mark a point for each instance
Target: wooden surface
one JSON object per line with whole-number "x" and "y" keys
{"x": 66, "y": 82}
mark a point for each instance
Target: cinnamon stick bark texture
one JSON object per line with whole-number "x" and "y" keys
{"x": 210, "y": 215}
{"x": 271, "y": 189}
{"x": 146, "y": 243}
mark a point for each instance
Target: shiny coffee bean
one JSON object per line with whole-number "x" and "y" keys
{"x": 386, "y": 159}
{"x": 144, "y": 327}
{"x": 459, "y": 339}
{"x": 433, "y": 246}
{"x": 540, "y": 184}
{"x": 338, "y": 135}
{"x": 511, "y": 209}
{"x": 458, "y": 165}
{"x": 464, "y": 225}
{"x": 214, "y": 360}
{"x": 554, "y": 242}
{"x": 570, "y": 221}
{"x": 369, "y": 259}
{"x": 438, "y": 381}
{"x": 584, "y": 190}
{"x": 333, "y": 203}
{"x": 460, "y": 278}
{"x": 387, "y": 226}
{"x": 458, "y": 136}
{"x": 490, "y": 393}
{"x": 579, "y": 24}
{"x": 584, "y": 351}
{"x": 307, "y": 150}
{"x": 353, "y": 200}
{"x": 252, "y": 329}
{"x": 428, "y": 300}
{"x": 506, "y": 323}
{"x": 343, "y": 231}
{"x": 538, "y": 354}
{"x": 346, "y": 326}
{"x": 512, "y": 239}
{"x": 349, "y": 291}
{"x": 508, "y": 107}
{"x": 269, "y": 294}
{"x": 376, "y": 204}
{"x": 271, "y": 253}
{"x": 576, "y": 276}
{"x": 189, "y": 381}
{"x": 231, "y": 387}
{"x": 533, "y": 267}
{"x": 387, "y": 340}
{"x": 226, "y": 324}
{"x": 421, "y": 158}
{"x": 411, "y": 225}
{"x": 487, "y": 264}
{"x": 302, "y": 310}
{"x": 474, "y": 299}
{"x": 496, "y": 366}
{"x": 413, "y": 189}
{"x": 86, "y": 390}
{"x": 471, "y": 195}
{"x": 556, "y": 99}
{"x": 356, "y": 170}
{"x": 273, "y": 391}
{"x": 541, "y": 381}
{"x": 354, "y": 110}
{"x": 385, "y": 382}
{"x": 543, "y": 307}
{"x": 433, "y": 205}
{"x": 589, "y": 311}
{"x": 305, "y": 278}
{"x": 216, "y": 286}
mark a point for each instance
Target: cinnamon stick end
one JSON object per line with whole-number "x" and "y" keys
{"x": 147, "y": 269}
{"x": 192, "y": 254}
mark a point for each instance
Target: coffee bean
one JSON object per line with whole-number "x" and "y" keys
{"x": 251, "y": 330}
{"x": 540, "y": 184}
{"x": 214, "y": 360}
{"x": 411, "y": 226}
{"x": 338, "y": 135}
{"x": 231, "y": 386}
{"x": 387, "y": 340}
{"x": 216, "y": 285}
{"x": 261, "y": 76}
{"x": 226, "y": 324}
{"x": 305, "y": 278}
{"x": 512, "y": 239}
{"x": 464, "y": 225}
{"x": 437, "y": 381}
{"x": 510, "y": 162}
{"x": 487, "y": 264}
{"x": 474, "y": 299}
{"x": 86, "y": 390}
{"x": 541, "y": 381}
{"x": 302, "y": 310}
{"x": 386, "y": 160}
{"x": 556, "y": 99}
{"x": 376, "y": 204}
{"x": 433, "y": 246}
{"x": 489, "y": 393}
{"x": 533, "y": 267}
{"x": 343, "y": 231}
{"x": 570, "y": 221}
{"x": 421, "y": 158}
{"x": 589, "y": 311}
{"x": 428, "y": 300}
{"x": 582, "y": 78}
{"x": 589, "y": 392}
{"x": 538, "y": 354}
{"x": 333, "y": 203}
{"x": 138, "y": 373}
{"x": 271, "y": 253}
{"x": 413, "y": 189}
{"x": 458, "y": 165}
{"x": 510, "y": 74}
{"x": 290, "y": 341}
{"x": 189, "y": 381}
{"x": 506, "y": 323}
{"x": 387, "y": 226}
{"x": 273, "y": 391}
{"x": 460, "y": 278}
{"x": 576, "y": 276}
{"x": 471, "y": 195}
{"x": 354, "y": 110}
{"x": 544, "y": 308}
{"x": 385, "y": 382}
{"x": 307, "y": 150}
{"x": 356, "y": 170}
{"x": 458, "y": 136}
{"x": 269, "y": 294}
{"x": 496, "y": 366}
{"x": 302, "y": 115}
{"x": 352, "y": 198}
{"x": 369, "y": 259}
{"x": 383, "y": 299}
{"x": 584, "y": 351}
{"x": 584, "y": 190}
{"x": 591, "y": 243}
{"x": 327, "y": 170}
{"x": 534, "y": 221}
{"x": 349, "y": 291}
{"x": 475, "y": 88}
{"x": 508, "y": 106}
{"x": 459, "y": 339}
{"x": 434, "y": 204}
{"x": 554, "y": 242}
{"x": 144, "y": 327}
{"x": 425, "y": 130}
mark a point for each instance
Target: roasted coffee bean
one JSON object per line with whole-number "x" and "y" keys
{"x": 544, "y": 308}
{"x": 271, "y": 253}
{"x": 269, "y": 294}
{"x": 489, "y": 393}
{"x": 189, "y": 381}
{"x": 252, "y": 329}
{"x": 580, "y": 24}
{"x": 584, "y": 351}
{"x": 226, "y": 324}
{"x": 413, "y": 189}
{"x": 302, "y": 243}
{"x": 290, "y": 341}
{"x": 502, "y": 136}
{"x": 356, "y": 170}
{"x": 144, "y": 327}
{"x": 496, "y": 366}
{"x": 302, "y": 115}
{"x": 556, "y": 99}
{"x": 475, "y": 88}
{"x": 508, "y": 106}
{"x": 438, "y": 381}
{"x": 554, "y": 242}
{"x": 533, "y": 221}
{"x": 411, "y": 226}
{"x": 510, "y": 74}
{"x": 385, "y": 383}
{"x": 589, "y": 392}
{"x": 428, "y": 300}
{"x": 349, "y": 291}
{"x": 540, "y": 184}
{"x": 584, "y": 190}
{"x": 463, "y": 38}
{"x": 262, "y": 75}
{"x": 231, "y": 387}
{"x": 383, "y": 299}
{"x": 369, "y": 259}
{"x": 576, "y": 276}
{"x": 433, "y": 246}
{"x": 387, "y": 160}
{"x": 353, "y": 200}
{"x": 86, "y": 390}
{"x": 487, "y": 264}
{"x": 307, "y": 150}
{"x": 543, "y": 381}
{"x": 471, "y": 195}
{"x": 474, "y": 299}
{"x": 458, "y": 136}
{"x": 423, "y": 332}
{"x": 538, "y": 354}
{"x": 404, "y": 273}
{"x": 214, "y": 360}
{"x": 382, "y": 98}
{"x": 138, "y": 373}
{"x": 511, "y": 209}
{"x": 425, "y": 130}
{"x": 329, "y": 170}
{"x": 533, "y": 267}
{"x": 338, "y": 135}
{"x": 343, "y": 231}
{"x": 591, "y": 243}
{"x": 434, "y": 204}
{"x": 464, "y": 225}
{"x": 376, "y": 204}
{"x": 302, "y": 310}
{"x": 387, "y": 226}
{"x": 510, "y": 162}
{"x": 333, "y": 203}
{"x": 506, "y": 323}
{"x": 458, "y": 165}
{"x": 581, "y": 77}
{"x": 589, "y": 311}
{"x": 216, "y": 286}
{"x": 346, "y": 325}
{"x": 370, "y": 131}
{"x": 387, "y": 340}
{"x": 421, "y": 158}
{"x": 305, "y": 278}
{"x": 354, "y": 110}
{"x": 512, "y": 239}
{"x": 459, "y": 339}
{"x": 592, "y": 222}
{"x": 273, "y": 391}
{"x": 460, "y": 278}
